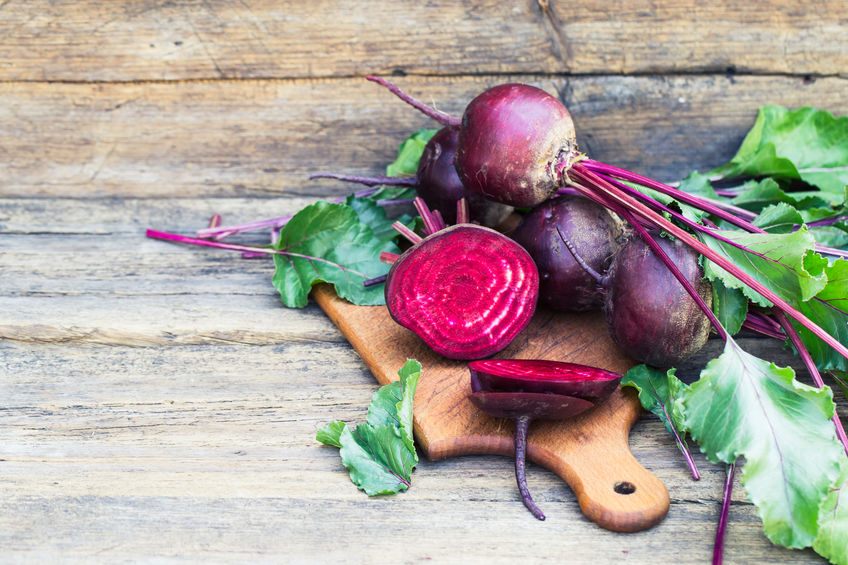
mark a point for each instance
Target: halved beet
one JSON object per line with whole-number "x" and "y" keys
{"x": 534, "y": 405}
{"x": 542, "y": 376}
{"x": 533, "y": 389}
{"x": 466, "y": 290}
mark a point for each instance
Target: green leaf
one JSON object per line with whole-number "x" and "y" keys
{"x": 805, "y": 280}
{"x": 829, "y": 310}
{"x": 778, "y": 218}
{"x": 327, "y": 243}
{"x": 380, "y": 454}
{"x": 730, "y": 306}
{"x": 806, "y": 144}
{"x": 409, "y": 375}
{"x": 789, "y": 267}
{"x": 832, "y": 540}
{"x": 658, "y": 390}
{"x": 329, "y": 434}
{"x": 744, "y": 406}
{"x": 834, "y": 235}
{"x": 409, "y": 153}
{"x": 373, "y": 216}
{"x": 699, "y": 185}
{"x": 378, "y": 462}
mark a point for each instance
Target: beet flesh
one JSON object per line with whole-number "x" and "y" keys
{"x": 542, "y": 377}
{"x": 650, "y": 315}
{"x": 593, "y": 232}
{"x": 466, "y": 290}
{"x": 510, "y": 143}
{"x": 440, "y": 187}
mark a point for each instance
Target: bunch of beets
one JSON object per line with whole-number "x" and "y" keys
{"x": 468, "y": 290}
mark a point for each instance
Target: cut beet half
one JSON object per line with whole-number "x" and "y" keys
{"x": 532, "y": 389}
{"x": 466, "y": 290}
{"x": 542, "y": 376}
{"x": 533, "y": 405}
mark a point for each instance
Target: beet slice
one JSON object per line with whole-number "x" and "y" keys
{"x": 534, "y": 405}
{"x": 542, "y": 376}
{"x": 466, "y": 290}
{"x": 530, "y": 389}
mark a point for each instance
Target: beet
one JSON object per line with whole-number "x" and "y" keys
{"x": 513, "y": 141}
{"x": 530, "y": 389}
{"x": 649, "y": 313}
{"x": 542, "y": 376}
{"x": 440, "y": 188}
{"x": 466, "y": 290}
{"x": 593, "y": 232}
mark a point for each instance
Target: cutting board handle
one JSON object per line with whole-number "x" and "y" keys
{"x": 612, "y": 487}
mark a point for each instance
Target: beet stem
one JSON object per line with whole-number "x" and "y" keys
{"x": 681, "y": 218}
{"x": 812, "y": 369}
{"x": 440, "y": 221}
{"x": 441, "y": 117}
{"x": 682, "y": 446}
{"x": 368, "y": 181}
{"x": 601, "y": 280}
{"x": 755, "y": 325}
{"x": 657, "y": 219}
{"x": 463, "y": 214}
{"x": 387, "y": 257}
{"x": 431, "y": 224}
{"x": 686, "y": 198}
{"x": 522, "y": 423}
{"x": 220, "y": 232}
{"x": 153, "y": 234}
{"x": 375, "y": 281}
{"x": 407, "y": 233}
{"x": 718, "y": 548}
{"x": 214, "y": 221}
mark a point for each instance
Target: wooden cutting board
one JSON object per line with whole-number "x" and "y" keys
{"x": 590, "y": 452}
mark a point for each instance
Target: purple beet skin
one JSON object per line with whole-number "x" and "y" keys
{"x": 530, "y": 389}
{"x": 440, "y": 188}
{"x": 513, "y": 141}
{"x": 593, "y": 232}
{"x": 649, "y": 313}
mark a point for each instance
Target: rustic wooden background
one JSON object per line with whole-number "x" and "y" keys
{"x": 158, "y": 404}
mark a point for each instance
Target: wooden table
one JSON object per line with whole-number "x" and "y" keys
{"x": 158, "y": 402}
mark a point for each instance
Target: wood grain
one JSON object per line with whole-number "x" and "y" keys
{"x": 159, "y": 405}
{"x": 174, "y": 453}
{"x": 52, "y": 40}
{"x": 264, "y": 138}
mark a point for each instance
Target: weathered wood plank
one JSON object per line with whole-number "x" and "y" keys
{"x": 114, "y": 453}
{"x": 52, "y": 40}
{"x": 264, "y": 138}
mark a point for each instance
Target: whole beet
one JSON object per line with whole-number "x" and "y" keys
{"x": 511, "y": 142}
{"x": 649, "y": 313}
{"x": 440, "y": 188}
{"x": 593, "y": 232}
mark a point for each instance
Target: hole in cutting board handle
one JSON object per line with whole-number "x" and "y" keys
{"x": 624, "y": 487}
